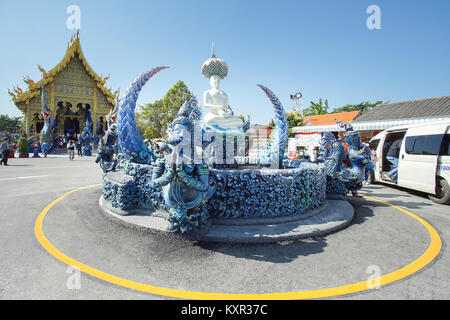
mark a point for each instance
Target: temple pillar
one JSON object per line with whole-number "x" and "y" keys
{"x": 94, "y": 111}
{"x": 52, "y": 99}
{"x": 30, "y": 121}
{"x": 26, "y": 115}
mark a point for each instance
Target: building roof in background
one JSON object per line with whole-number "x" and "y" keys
{"x": 330, "y": 118}
{"x": 73, "y": 51}
{"x": 423, "y": 108}
{"x": 262, "y": 130}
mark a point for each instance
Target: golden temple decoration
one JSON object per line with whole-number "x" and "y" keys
{"x": 44, "y": 73}
{"x": 73, "y": 48}
{"x": 28, "y": 81}
{"x": 12, "y": 94}
{"x": 52, "y": 98}
{"x": 18, "y": 92}
{"x": 95, "y": 101}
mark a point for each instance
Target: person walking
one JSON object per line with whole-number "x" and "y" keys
{"x": 78, "y": 145}
{"x": 71, "y": 149}
{"x": 4, "y": 150}
{"x": 45, "y": 147}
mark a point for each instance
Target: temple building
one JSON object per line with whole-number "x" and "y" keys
{"x": 73, "y": 92}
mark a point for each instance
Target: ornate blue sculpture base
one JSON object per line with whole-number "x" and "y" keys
{"x": 192, "y": 195}
{"x": 267, "y": 192}
{"x": 331, "y": 216}
{"x": 240, "y": 193}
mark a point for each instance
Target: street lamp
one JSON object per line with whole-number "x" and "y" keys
{"x": 297, "y": 99}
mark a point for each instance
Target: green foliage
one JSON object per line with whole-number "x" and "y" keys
{"x": 22, "y": 146}
{"x": 11, "y": 124}
{"x": 317, "y": 108}
{"x": 363, "y": 107}
{"x": 154, "y": 118}
{"x": 151, "y": 133}
{"x": 294, "y": 119}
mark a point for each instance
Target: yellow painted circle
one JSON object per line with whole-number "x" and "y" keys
{"x": 427, "y": 257}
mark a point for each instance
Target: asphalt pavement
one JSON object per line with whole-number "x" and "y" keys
{"x": 379, "y": 238}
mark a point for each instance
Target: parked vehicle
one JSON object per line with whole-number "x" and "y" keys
{"x": 423, "y": 159}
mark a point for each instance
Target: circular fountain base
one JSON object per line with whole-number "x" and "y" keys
{"x": 330, "y": 217}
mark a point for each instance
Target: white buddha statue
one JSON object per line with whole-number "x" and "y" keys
{"x": 220, "y": 115}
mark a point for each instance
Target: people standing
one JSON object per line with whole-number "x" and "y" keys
{"x": 369, "y": 172}
{"x": 78, "y": 145}
{"x": 4, "y": 150}
{"x": 71, "y": 149}
{"x": 45, "y": 146}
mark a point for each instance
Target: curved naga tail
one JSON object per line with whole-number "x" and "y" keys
{"x": 47, "y": 116}
{"x": 130, "y": 141}
{"x": 275, "y": 151}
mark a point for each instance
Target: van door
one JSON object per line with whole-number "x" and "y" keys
{"x": 419, "y": 157}
{"x": 374, "y": 143}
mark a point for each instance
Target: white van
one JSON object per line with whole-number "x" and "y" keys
{"x": 424, "y": 158}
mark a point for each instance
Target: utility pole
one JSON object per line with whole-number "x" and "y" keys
{"x": 297, "y": 100}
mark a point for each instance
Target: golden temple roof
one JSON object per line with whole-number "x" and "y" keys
{"x": 34, "y": 88}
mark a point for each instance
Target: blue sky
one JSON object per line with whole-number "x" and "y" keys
{"x": 320, "y": 48}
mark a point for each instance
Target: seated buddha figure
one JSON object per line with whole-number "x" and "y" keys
{"x": 220, "y": 115}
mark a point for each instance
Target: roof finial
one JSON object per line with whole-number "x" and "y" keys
{"x": 213, "y": 53}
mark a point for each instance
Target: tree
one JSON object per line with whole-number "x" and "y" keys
{"x": 22, "y": 146}
{"x": 363, "y": 107}
{"x": 154, "y": 118}
{"x": 11, "y": 124}
{"x": 317, "y": 108}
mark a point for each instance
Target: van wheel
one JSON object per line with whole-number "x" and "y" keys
{"x": 442, "y": 195}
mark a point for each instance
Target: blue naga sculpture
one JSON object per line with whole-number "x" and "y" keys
{"x": 130, "y": 141}
{"x": 86, "y": 138}
{"x": 180, "y": 185}
{"x": 46, "y": 132}
{"x": 187, "y": 186}
{"x": 277, "y": 144}
{"x": 341, "y": 179}
{"x": 107, "y": 150}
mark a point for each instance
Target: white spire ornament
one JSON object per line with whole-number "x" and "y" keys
{"x": 214, "y": 66}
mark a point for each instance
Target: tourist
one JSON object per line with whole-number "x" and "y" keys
{"x": 392, "y": 157}
{"x": 71, "y": 149}
{"x": 369, "y": 172}
{"x": 45, "y": 147}
{"x": 78, "y": 145}
{"x": 4, "y": 150}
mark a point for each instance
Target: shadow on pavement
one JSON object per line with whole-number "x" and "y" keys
{"x": 391, "y": 197}
{"x": 363, "y": 209}
{"x": 282, "y": 252}
{"x": 18, "y": 165}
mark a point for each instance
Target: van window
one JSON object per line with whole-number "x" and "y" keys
{"x": 424, "y": 145}
{"x": 374, "y": 144}
{"x": 445, "y": 147}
